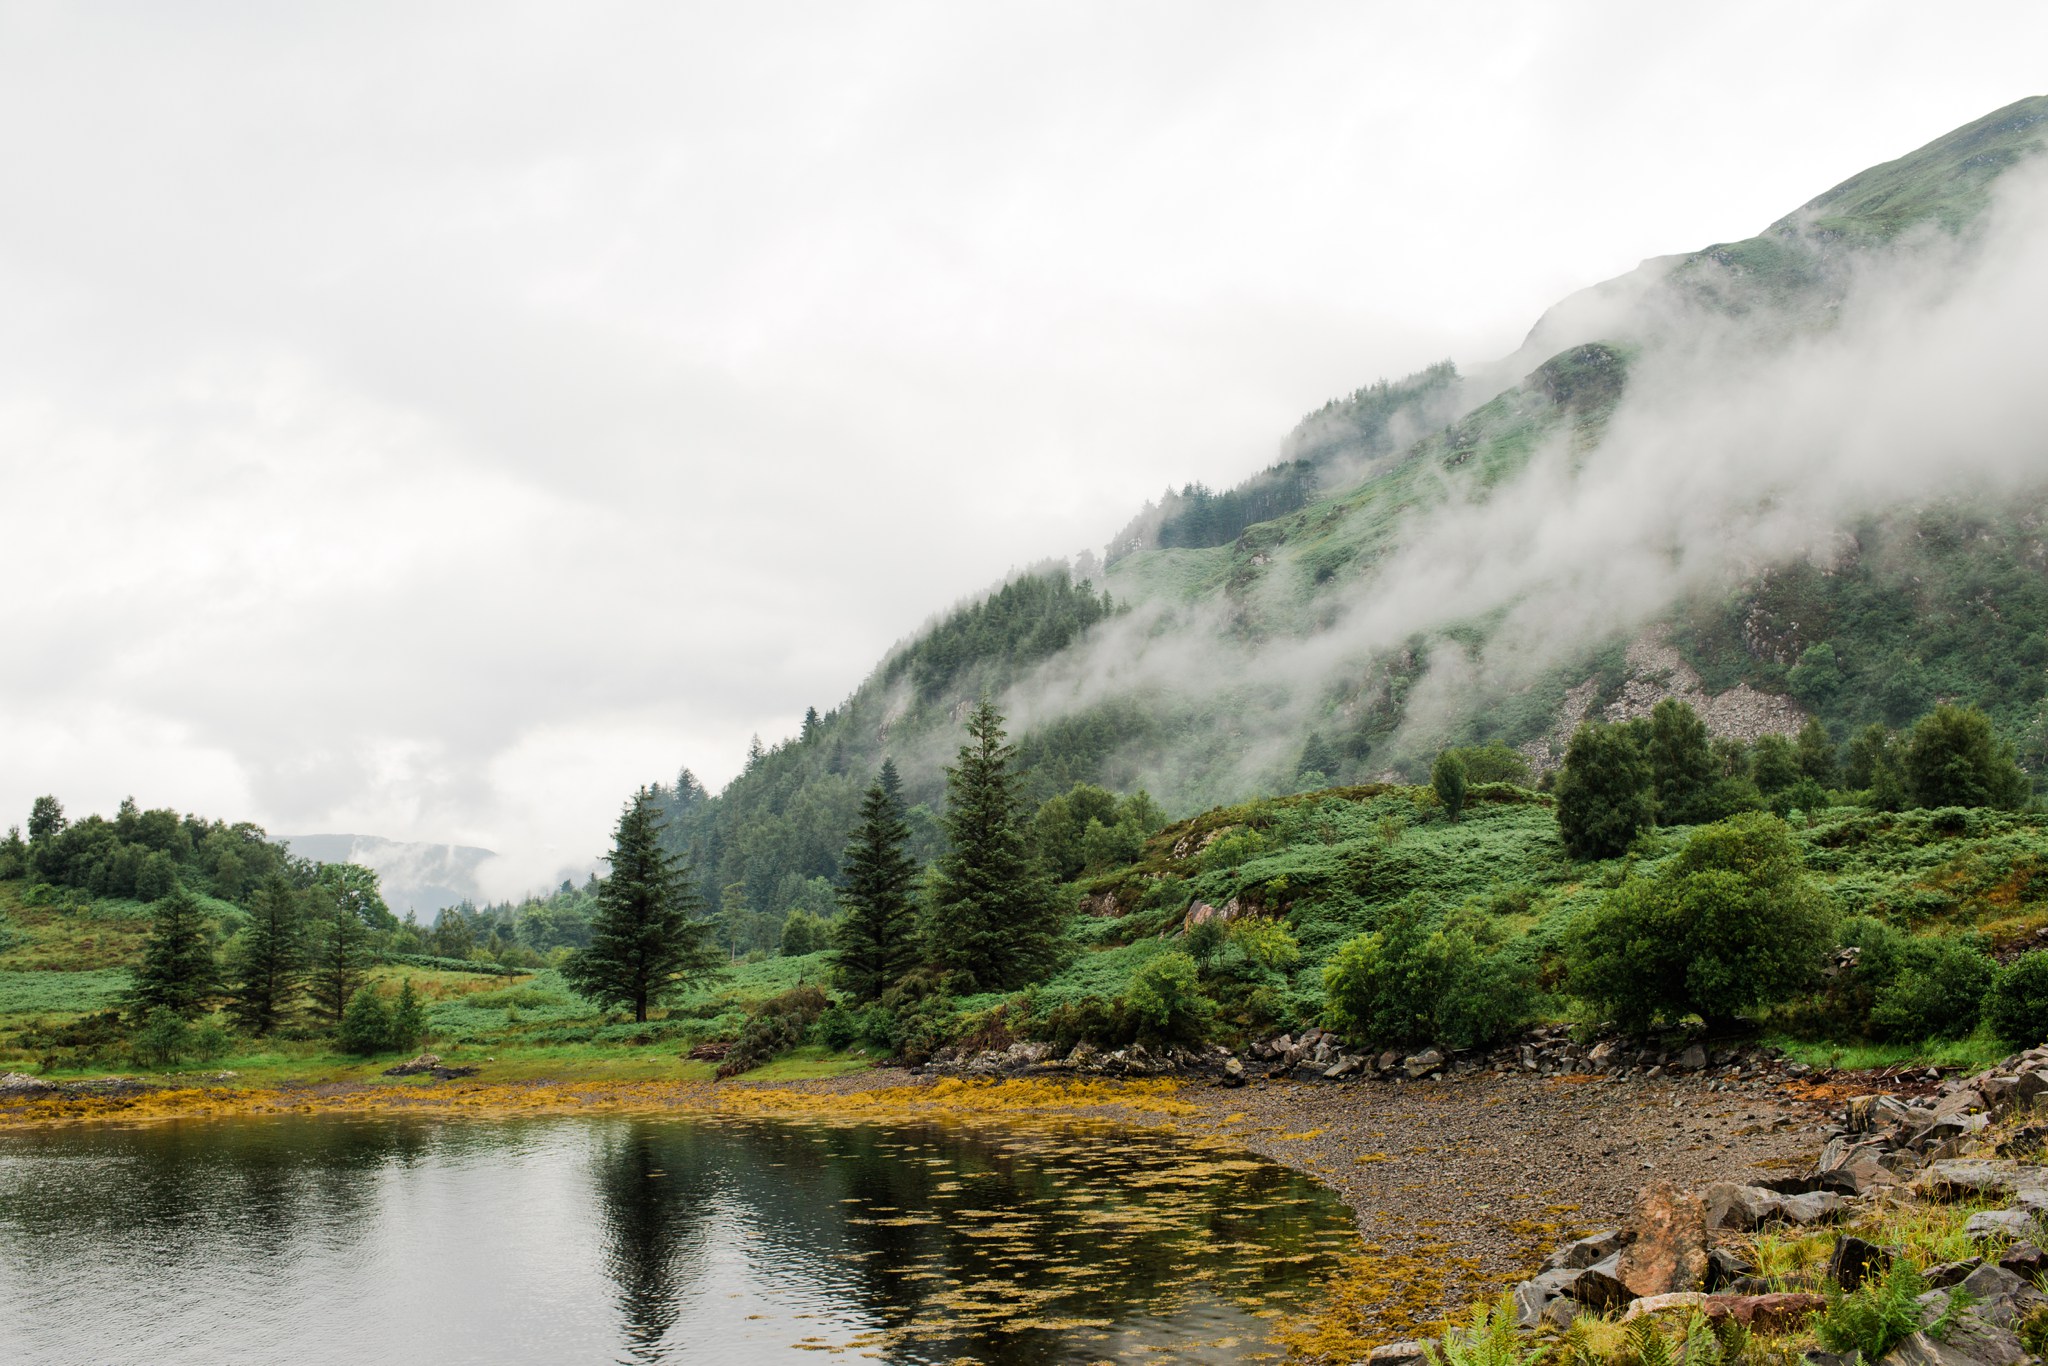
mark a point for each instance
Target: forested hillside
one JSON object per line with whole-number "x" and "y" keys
{"x": 1653, "y": 496}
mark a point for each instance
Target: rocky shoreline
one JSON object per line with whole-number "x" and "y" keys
{"x": 1683, "y": 1250}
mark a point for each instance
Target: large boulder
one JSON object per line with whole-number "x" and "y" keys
{"x": 1738, "y": 1208}
{"x": 1669, "y": 1250}
{"x": 1979, "y": 1178}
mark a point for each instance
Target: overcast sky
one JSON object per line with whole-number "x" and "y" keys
{"x": 434, "y": 420}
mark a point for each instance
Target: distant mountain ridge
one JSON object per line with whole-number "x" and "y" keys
{"x": 423, "y": 878}
{"x": 1680, "y": 459}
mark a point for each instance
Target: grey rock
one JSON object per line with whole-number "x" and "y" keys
{"x": 2002, "y": 1297}
{"x": 1534, "y": 1295}
{"x": 1740, "y": 1208}
{"x": 1233, "y": 1073}
{"x": 1344, "y": 1066}
{"x": 1693, "y": 1059}
{"x": 1591, "y": 1250}
{"x": 1815, "y": 1207}
{"x": 1599, "y": 1287}
{"x": 1421, "y": 1064}
{"x": 1398, "y": 1354}
{"x": 1945, "y": 1274}
{"x": 1960, "y": 1102}
{"x": 1985, "y": 1346}
{"x": 2000, "y": 1223}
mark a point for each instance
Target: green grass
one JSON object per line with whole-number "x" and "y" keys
{"x": 1974, "y": 1053}
{"x": 30, "y": 994}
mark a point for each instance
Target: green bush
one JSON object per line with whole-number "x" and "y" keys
{"x": 1604, "y": 792}
{"x": 1166, "y": 1000}
{"x": 163, "y": 1038}
{"x": 1730, "y": 923}
{"x": 1937, "y": 991}
{"x": 2017, "y": 1008}
{"x": 1410, "y": 983}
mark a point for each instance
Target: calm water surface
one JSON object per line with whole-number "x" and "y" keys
{"x": 328, "y": 1239}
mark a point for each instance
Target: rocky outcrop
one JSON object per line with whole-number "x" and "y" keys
{"x": 1669, "y": 1250}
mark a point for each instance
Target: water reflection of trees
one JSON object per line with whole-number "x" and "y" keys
{"x": 184, "y": 1191}
{"x": 1097, "y": 1225}
{"x": 658, "y": 1189}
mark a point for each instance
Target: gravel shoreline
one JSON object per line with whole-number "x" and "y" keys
{"x": 1490, "y": 1170}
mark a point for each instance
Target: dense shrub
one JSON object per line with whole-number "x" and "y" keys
{"x": 1409, "y": 982}
{"x": 2017, "y": 1007}
{"x": 1936, "y": 992}
{"x": 1730, "y": 923}
{"x": 1166, "y": 1000}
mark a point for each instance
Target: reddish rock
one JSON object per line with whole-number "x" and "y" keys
{"x": 1764, "y": 1313}
{"x": 1669, "y": 1253}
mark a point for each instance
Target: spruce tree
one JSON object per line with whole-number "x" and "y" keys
{"x": 178, "y": 971}
{"x": 267, "y": 970}
{"x": 341, "y": 952}
{"x": 876, "y": 940}
{"x": 992, "y": 919}
{"x": 408, "y": 1019}
{"x": 646, "y": 942}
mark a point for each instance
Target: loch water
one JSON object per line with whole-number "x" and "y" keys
{"x": 318, "y": 1239}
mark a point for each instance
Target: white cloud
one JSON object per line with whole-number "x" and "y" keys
{"x": 388, "y": 393}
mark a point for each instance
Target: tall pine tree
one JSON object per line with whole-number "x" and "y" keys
{"x": 178, "y": 971}
{"x": 647, "y": 941}
{"x": 992, "y": 919}
{"x": 267, "y": 968}
{"x": 341, "y": 950}
{"x": 876, "y": 941}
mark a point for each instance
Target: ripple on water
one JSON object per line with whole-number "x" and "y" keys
{"x": 331, "y": 1239}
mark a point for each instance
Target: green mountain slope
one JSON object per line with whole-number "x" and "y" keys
{"x": 1383, "y": 608}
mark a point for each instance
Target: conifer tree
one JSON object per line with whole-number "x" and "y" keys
{"x": 408, "y": 1019}
{"x": 267, "y": 970}
{"x": 365, "y": 1025}
{"x": 876, "y": 940}
{"x": 992, "y": 919}
{"x": 178, "y": 971}
{"x": 341, "y": 952}
{"x": 646, "y": 942}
